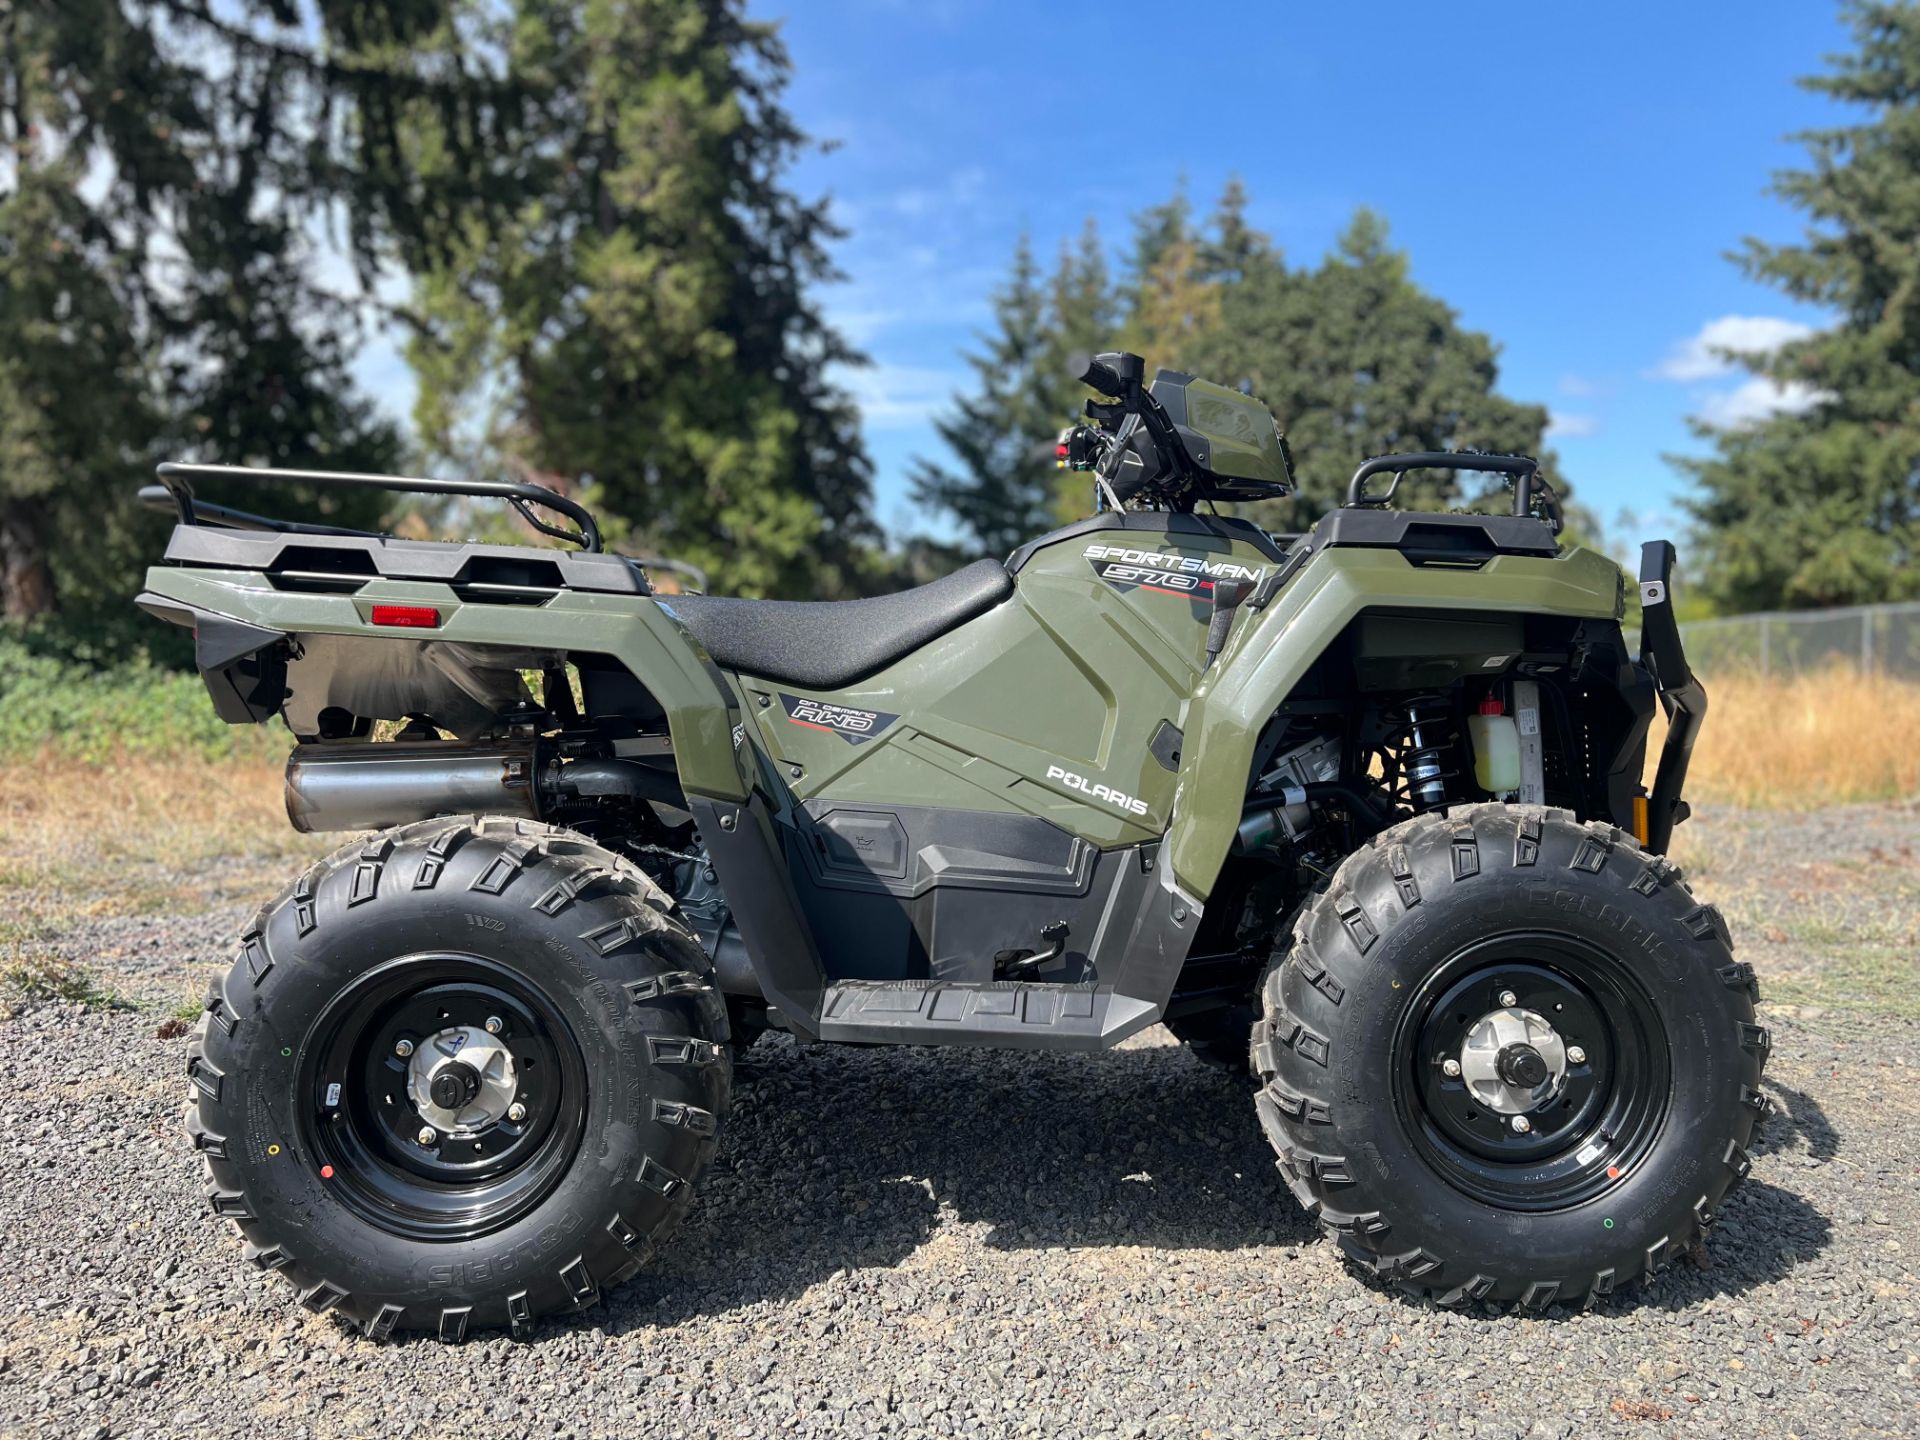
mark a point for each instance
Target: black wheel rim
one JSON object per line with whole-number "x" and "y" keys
{"x": 361, "y": 1119}
{"x": 1601, "y": 1116}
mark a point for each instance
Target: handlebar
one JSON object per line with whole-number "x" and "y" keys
{"x": 1112, "y": 373}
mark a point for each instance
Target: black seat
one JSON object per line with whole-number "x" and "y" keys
{"x": 824, "y": 644}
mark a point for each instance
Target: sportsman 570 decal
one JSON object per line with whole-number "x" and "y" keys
{"x": 1189, "y": 575}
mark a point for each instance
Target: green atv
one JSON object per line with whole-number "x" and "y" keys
{"x": 1358, "y": 811}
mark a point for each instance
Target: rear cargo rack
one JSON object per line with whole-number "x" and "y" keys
{"x": 176, "y": 490}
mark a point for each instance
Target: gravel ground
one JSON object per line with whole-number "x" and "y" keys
{"x": 966, "y": 1243}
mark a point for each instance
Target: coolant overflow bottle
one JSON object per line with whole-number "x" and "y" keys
{"x": 1496, "y": 747}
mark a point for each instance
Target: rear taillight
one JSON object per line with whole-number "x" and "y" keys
{"x": 407, "y": 617}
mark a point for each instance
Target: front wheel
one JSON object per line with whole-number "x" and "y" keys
{"x": 463, "y": 1074}
{"x": 1508, "y": 1057}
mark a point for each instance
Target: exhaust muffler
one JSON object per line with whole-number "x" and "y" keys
{"x": 373, "y": 786}
{"x": 362, "y": 786}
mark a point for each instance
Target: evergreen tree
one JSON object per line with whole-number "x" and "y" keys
{"x": 1170, "y": 301}
{"x": 1821, "y": 505}
{"x": 627, "y": 288}
{"x": 1083, "y": 318}
{"x": 1235, "y": 252}
{"x": 161, "y": 167}
{"x": 1352, "y": 357}
{"x": 1355, "y": 359}
{"x": 1002, "y": 436}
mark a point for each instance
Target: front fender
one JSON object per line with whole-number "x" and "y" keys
{"x": 1271, "y": 649}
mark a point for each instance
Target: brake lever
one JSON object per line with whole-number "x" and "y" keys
{"x": 1115, "y": 457}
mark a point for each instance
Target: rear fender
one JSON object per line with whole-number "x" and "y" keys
{"x": 700, "y": 710}
{"x": 1271, "y": 649}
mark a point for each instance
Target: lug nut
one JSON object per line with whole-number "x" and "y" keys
{"x": 1450, "y": 1069}
{"x": 495, "y": 1024}
{"x": 1509, "y": 999}
{"x": 403, "y": 1048}
{"x": 427, "y": 1136}
{"x": 516, "y": 1112}
{"x": 1575, "y": 1055}
{"x": 1522, "y": 1125}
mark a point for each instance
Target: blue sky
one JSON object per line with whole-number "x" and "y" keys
{"x": 1569, "y": 178}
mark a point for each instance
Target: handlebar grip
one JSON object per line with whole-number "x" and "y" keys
{"x": 1113, "y": 372}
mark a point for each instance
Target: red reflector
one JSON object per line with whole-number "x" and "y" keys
{"x": 411, "y": 617}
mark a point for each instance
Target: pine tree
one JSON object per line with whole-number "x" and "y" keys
{"x": 1171, "y": 304}
{"x": 626, "y": 283}
{"x": 161, "y": 165}
{"x": 1234, "y": 252}
{"x": 1083, "y": 318}
{"x": 1002, "y": 436}
{"x": 1820, "y": 505}
{"x": 1352, "y": 357}
{"x": 1355, "y": 359}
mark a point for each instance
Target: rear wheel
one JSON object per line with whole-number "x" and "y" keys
{"x": 463, "y": 1074}
{"x": 1508, "y": 1057}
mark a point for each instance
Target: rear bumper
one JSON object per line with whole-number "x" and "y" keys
{"x": 1682, "y": 695}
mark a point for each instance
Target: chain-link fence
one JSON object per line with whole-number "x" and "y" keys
{"x": 1884, "y": 639}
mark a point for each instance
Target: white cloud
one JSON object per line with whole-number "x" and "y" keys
{"x": 1754, "y": 400}
{"x": 1701, "y": 356}
{"x": 864, "y": 326}
{"x": 898, "y": 397}
{"x": 1580, "y": 387}
{"x": 1562, "y": 426}
{"x": 959, "y": 191}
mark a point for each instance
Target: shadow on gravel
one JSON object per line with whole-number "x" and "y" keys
{"x": 838, "y": 1158}
{"x": 1799, "y": 1116}
{"x": 1762, "y": 1233}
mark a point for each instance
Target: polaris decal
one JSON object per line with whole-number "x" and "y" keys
{"x": 1133, "y": 805}
{"x": 856, "y": 727}
{"x": 1188, "y": 575}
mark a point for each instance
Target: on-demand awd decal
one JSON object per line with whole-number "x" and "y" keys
{"x": 852, "y": 725}
{"x": 1188, "y": 575}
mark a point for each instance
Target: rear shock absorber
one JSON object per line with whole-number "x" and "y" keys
{"x": 1418, "y": 753}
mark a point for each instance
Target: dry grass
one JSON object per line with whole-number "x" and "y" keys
{"x": 1833, "y": 738}
{"x": 135, "y": 837}
{"x": 58, "y": 817}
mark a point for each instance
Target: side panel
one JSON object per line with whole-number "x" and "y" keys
{"x": 1060, "y": 703}
{"x": 1270, "y": 650}
{"x": 1010, "y": 778}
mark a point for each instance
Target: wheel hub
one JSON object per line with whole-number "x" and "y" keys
{"x": 446, "y": 1092}
{"x": 462, "y": 1080}
{"x": 1513, "y": 1061}
{"x": 1534, "y": 1067}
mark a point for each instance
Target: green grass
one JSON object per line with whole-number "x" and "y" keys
{"x": 39, "y": 978}
{"x": 1875, "y": 979}
{"x": 53, "y": 705}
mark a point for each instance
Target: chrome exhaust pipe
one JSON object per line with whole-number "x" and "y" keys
{"x": 372, "y": 786}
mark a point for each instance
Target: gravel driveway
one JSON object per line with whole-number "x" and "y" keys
{"x": 949, "y": 1243}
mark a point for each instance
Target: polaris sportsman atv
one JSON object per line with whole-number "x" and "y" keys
{"x": 1357, "y": 810}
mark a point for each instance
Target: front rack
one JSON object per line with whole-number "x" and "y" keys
{"x": 1523, "y": 470}
{"x": 175, "y": 491}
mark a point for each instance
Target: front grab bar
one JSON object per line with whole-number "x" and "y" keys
{"x": 1682, "y": 695}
